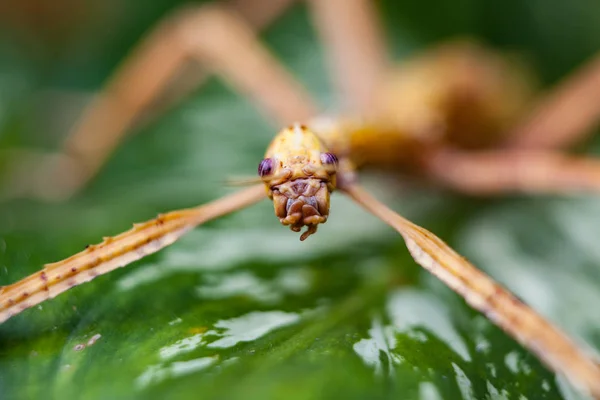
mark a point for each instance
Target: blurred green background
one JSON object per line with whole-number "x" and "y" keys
{"x": 239, "y": 308}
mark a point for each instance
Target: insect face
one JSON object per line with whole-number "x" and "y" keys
{"x": 299, "y": 174}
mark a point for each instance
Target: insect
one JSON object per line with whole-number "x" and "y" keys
{"x": 306, "y": 162}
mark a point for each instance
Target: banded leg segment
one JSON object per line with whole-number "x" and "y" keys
{"x": 354, "y": 43}
{"x": 213, "y": 35}
{"x": 118, "y": 251}
{"x": 505, "y": 171}
{"x": 482, "y": 293}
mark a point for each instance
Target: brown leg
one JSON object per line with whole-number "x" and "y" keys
{"x": 229, "y": 48}
{"x": 118, "y": 251}
{"x": 482, "y": 293}
{"x": 260, "y": 13}
{"x": 501, "y": 171}
{"x": 565, "y": 116}
{"x": 213, "y": 35}
{"x": 354, "y": 43}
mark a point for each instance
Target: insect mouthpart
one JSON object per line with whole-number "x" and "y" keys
{"x": 302, "y": 202}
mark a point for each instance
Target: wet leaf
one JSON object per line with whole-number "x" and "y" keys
{"x": 239, "y": 308}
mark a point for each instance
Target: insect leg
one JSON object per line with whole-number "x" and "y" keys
{"x": 354, "y": 44}
{"x": 524, "y": 171}
{"x": 567, "y": 115}
{"x": 117, "y": 251}
{"x": 213, "y": 35}
{"x": 482, "y": 293}
{"x": 260, "y": 13}
{"x": 229, "y": 48}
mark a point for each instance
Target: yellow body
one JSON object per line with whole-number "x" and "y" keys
{"x": 459, "y": 94}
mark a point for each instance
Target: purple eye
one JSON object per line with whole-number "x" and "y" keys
{"x": 265, "y": 167}
{"x": 329, "y": 158}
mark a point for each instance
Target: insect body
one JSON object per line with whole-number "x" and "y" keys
{"x": 458, "y": 94}
{"x": 426, "y": 130}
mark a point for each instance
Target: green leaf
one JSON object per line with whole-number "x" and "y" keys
{"x": 239, "y": 308}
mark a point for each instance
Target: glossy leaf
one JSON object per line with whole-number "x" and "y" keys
{"x": 240, "y": 308}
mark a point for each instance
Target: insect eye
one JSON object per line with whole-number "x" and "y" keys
{"x": 265, "y": 167}
{"x": 329, "y": 158}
